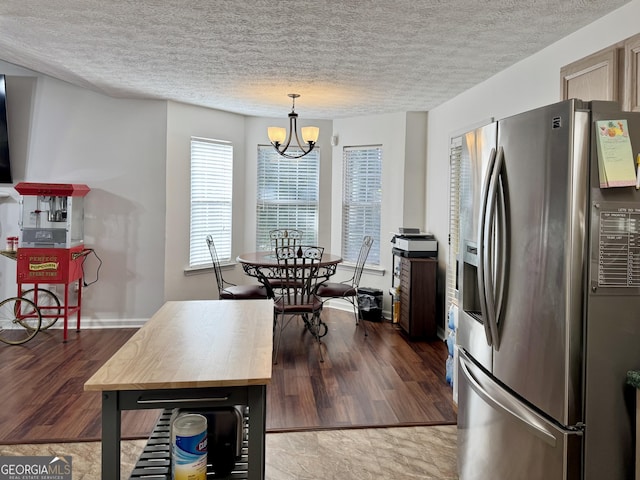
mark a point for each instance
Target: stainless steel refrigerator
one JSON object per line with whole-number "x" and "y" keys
{"x": 549, "y": 285}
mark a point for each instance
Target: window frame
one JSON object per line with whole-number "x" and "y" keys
{"x": 368, "y": 203}
{"x": 210, "y": 199}
{"x": 283, "y": 192}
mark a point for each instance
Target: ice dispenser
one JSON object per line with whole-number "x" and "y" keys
{"x": 471, "y": 298}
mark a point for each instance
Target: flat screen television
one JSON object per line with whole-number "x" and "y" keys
{"x": 5, "y": 165}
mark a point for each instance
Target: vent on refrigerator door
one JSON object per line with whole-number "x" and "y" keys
{"x": 556, "y": 122}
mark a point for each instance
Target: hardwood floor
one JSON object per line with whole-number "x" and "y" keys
{"x": 379, "y": 380}
{"x": 42, "y": 397}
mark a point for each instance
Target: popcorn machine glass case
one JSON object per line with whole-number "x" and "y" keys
{"x": 52, "y": 215}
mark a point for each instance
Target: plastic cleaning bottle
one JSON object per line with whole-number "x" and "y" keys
{"x": 189, "y": 447}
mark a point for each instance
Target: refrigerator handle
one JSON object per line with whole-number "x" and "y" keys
{"x": 490, "y": 249}
{"x": 481, "y": 252}
{"x": 502, "y": 251}
{"x": 528, "y": 419}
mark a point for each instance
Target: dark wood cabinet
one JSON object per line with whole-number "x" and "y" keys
{"x": 417, "y": 281}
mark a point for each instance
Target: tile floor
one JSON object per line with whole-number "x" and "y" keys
{"x": 357, "y": 454}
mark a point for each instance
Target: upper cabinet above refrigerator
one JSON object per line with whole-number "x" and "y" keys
{"x": 610, "y": 74}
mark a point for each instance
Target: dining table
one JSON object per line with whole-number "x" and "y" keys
{"x": 264, "y": 265}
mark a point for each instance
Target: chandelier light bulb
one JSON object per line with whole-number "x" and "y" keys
{"x": 310, "y": 134}
{"x": 277, "y": 134}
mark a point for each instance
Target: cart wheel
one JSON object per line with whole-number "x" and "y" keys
{"x": 48, "y": 303}
{"x": 20, "y": 320}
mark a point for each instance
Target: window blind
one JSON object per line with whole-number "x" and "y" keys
{"x": 288, "y": 195}
{"x": 455, "y": 151}
{"x": 361, "y": 201}
{"x": 211, "y": 194}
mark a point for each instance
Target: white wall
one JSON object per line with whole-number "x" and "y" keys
{"x": 415, "y": 171}
{"x": 183, "y": 122}
{"x": 66, "y": 134}
{"x": 530, "y": 83}
{"x": 403, "y": 160}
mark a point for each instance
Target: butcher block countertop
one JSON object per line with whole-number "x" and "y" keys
{"x": 194, "y": 344}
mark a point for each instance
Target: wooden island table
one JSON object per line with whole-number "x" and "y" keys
{"x": 191, "y": 354}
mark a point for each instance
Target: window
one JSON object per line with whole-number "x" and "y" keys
{"x": 455, "y": 152}
{"x": 211, "y": 189}
{"x": 361, "y": 201}
{"x": 287, "y": 197}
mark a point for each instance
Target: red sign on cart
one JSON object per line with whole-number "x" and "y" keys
{"x": 49, "y": 265}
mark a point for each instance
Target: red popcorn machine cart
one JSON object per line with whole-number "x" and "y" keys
{"x": 51, "y": 248}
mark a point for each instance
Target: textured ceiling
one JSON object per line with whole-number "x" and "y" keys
{"x": 346, "y": 58}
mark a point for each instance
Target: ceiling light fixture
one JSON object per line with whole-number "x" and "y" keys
{"x": 277, "y": 135}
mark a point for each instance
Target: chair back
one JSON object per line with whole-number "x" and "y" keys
{"x": 299, "y": 267}
{"x": 216, "y": 264}
{"x": 362, "y": 259}
{"x": 285, "y": 237}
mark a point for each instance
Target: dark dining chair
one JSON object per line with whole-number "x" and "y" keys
{"x": 348, "y": 289}
{"x": 298, "y": 268}
{"x": 231, "y": 291}
{"x": 283, "y": 237}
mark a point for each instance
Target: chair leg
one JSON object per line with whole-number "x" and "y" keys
{"x": 316, "y": 326}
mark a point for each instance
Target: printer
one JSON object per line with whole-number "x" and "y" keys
{"x": 411, "y": 242}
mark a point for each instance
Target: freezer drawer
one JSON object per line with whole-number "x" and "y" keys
{"x": 500, "y": 438}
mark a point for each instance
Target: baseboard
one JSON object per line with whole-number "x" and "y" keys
{"x": 98, "y": 323}
{"x": 345, "y": 306}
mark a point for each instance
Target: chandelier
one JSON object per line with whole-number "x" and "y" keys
{"x": 277, "y": 135}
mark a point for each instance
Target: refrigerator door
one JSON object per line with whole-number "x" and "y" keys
{"x": 500, "y": 438}
{"x": 477, "y": 158}
{"x": 541, "y": 199}
{"x": 612, "y": 322}
{"x": 478, "y": 146}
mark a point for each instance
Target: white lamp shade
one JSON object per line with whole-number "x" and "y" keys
{"x": 310, "y": 134}
{"x": 276, "y": 134}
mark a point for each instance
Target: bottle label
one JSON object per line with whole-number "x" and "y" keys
{"x": 190, "y": 457}
{"x": 190, "y": 449}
